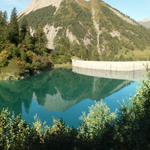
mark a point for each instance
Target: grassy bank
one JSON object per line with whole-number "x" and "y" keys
{"x": 66, "y": 65}
{"x": 11, "y": 72}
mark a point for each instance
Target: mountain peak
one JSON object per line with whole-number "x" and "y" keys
{"x": 37, "y": 4}
{"x": 146, "y": 20}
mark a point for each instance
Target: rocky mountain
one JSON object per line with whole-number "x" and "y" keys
{"x": 86, "y": 29}
{"x": 145, "y": 22}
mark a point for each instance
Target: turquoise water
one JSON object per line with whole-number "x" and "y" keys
{"x": 62, "y": 94}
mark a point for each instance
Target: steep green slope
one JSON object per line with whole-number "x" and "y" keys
{"x": 90, "y": 30}
{"x": 46, "y": 15}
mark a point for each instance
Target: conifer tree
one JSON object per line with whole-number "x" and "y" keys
{"x": 13, "y": 34}
{"x": 40, "y": 36}
{"x": 5, "y": 16}
{"x": 23, "y": 29}
{"x": 3, "y": 19}
{"x": 3, "y": 26}
{"x": 29, "y": 42}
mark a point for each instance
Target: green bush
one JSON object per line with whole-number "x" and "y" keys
{"x": 127, "y": 128}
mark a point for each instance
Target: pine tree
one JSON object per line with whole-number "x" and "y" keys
{"x": 29, "y": 42}
{"x": 5, "y": 16}
{"x": 40, "y": 37}
{"x": 13, "y": 34}
{"x": 23, "y": 29}
{"x": 3, "y": 26}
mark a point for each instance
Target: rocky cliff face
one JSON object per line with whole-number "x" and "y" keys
{"x": 93, "y": 25}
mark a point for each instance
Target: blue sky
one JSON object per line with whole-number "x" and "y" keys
{"x": 136, "y": 9}
{"x": 8, "y": 5}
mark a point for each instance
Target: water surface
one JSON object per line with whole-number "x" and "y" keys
{"x": 62, "y": 94}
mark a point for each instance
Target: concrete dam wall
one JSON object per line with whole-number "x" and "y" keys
{"x": 112, "y": 66}
{"x": 119, "y": 75}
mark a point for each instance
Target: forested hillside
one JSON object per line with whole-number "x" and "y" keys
{"x": 20, "y": 53}
{"x": 90, "y": 30}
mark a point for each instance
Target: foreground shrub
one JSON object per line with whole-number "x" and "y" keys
{"x": 124, "y": 129}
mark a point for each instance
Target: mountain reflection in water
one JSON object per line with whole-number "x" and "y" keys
{"x": 57, "y": 91}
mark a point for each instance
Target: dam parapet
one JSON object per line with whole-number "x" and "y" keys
{"x": 112, "y": 65}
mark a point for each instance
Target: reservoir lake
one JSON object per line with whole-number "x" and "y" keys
{"x": 66, "y": 93}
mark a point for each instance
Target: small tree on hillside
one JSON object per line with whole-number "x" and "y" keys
{"x": 40, "y": 38}
{"x": 3, "y": 18}
{"x": 13, "y": 34}
{"x": 24, "y": 29}
{"x": 3, "y": 26}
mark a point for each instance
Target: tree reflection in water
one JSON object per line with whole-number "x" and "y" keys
{"x": 56, "y": 91}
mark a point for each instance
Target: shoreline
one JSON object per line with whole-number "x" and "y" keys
{"x": 68, "y": 65}
{"x": 11, "y": 77}
{"x": 124, "y": 66}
